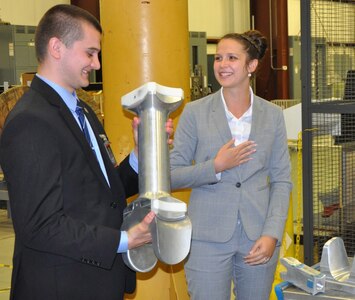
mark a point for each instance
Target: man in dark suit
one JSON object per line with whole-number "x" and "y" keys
{"x": 67, "y": 196}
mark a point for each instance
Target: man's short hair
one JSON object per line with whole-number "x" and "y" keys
{"x": 64, "y": 22}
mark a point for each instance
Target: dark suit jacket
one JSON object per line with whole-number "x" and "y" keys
{"x": 66, "y": 217}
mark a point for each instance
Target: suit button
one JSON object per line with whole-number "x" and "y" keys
{"x": 113, "y": 204}
{"x": 238, "y": 184}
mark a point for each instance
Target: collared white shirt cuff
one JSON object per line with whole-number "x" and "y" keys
{"x": 133, "y": 161}
{"x": 123, "y": 246}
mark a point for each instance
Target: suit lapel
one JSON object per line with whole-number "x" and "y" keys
{"x": 220, "y": 119}
{"x": 257, "y": 119}
{"x": 54, "y": 99}
{"x": 248, "y": 169}
{"x": 72, "y": 124}
{"x": 116, "y": 186}
{"x": 111, "y": 173}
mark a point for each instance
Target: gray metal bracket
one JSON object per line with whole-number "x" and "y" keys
{"x": 171, "y": 229}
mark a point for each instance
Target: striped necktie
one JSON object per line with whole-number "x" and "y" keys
{"x": 80, "y": 113}
{"x": 79, "y": 110}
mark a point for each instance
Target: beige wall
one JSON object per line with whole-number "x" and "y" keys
{"x": 227, "y": 15}
{"x": 25, "y": 12}
{"x": 294, "y": 17}
{"x": 218, "y": 17}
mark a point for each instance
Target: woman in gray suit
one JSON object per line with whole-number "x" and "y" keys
{"x": 231, "y": 149}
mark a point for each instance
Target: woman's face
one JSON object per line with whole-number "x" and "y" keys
{"x": 231, "y": 65}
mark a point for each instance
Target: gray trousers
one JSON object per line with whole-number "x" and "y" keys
{"x": 211, "y": 267}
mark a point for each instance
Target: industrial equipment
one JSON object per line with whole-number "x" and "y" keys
{"x": 17, "y": 52}
{"x": 333, "y": 276}
{"x": 171, "y": 229}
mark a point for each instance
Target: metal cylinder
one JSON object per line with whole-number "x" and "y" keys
{"x": 171, "y": 228}
{"x": 154, "y": 167}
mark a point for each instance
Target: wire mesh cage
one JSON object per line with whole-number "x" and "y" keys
{"x": 333, "y": 51}
{"x": 333, "y": 122}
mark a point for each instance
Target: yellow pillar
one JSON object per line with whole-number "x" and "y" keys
{"x": 144, "y": 41}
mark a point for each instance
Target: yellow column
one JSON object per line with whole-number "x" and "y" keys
{"x": 144, "y": 41}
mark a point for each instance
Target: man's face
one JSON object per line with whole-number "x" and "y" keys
{"x": 79, "y": 59}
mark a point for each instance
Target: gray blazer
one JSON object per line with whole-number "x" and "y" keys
{"x": 259, "y": 189}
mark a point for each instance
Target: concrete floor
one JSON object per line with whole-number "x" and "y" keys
{"x": 7, "y": 239}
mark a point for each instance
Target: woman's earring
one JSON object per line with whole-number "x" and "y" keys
{"x": 249, "y": 74}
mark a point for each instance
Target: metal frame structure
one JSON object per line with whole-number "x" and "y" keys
{"x": 312, "y": 108}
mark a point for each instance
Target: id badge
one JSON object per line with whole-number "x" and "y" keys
{"x": 108, "y": 149}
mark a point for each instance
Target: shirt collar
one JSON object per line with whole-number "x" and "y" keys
{"x": 248, "y": 113}
{"x": 69, "y": 99}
